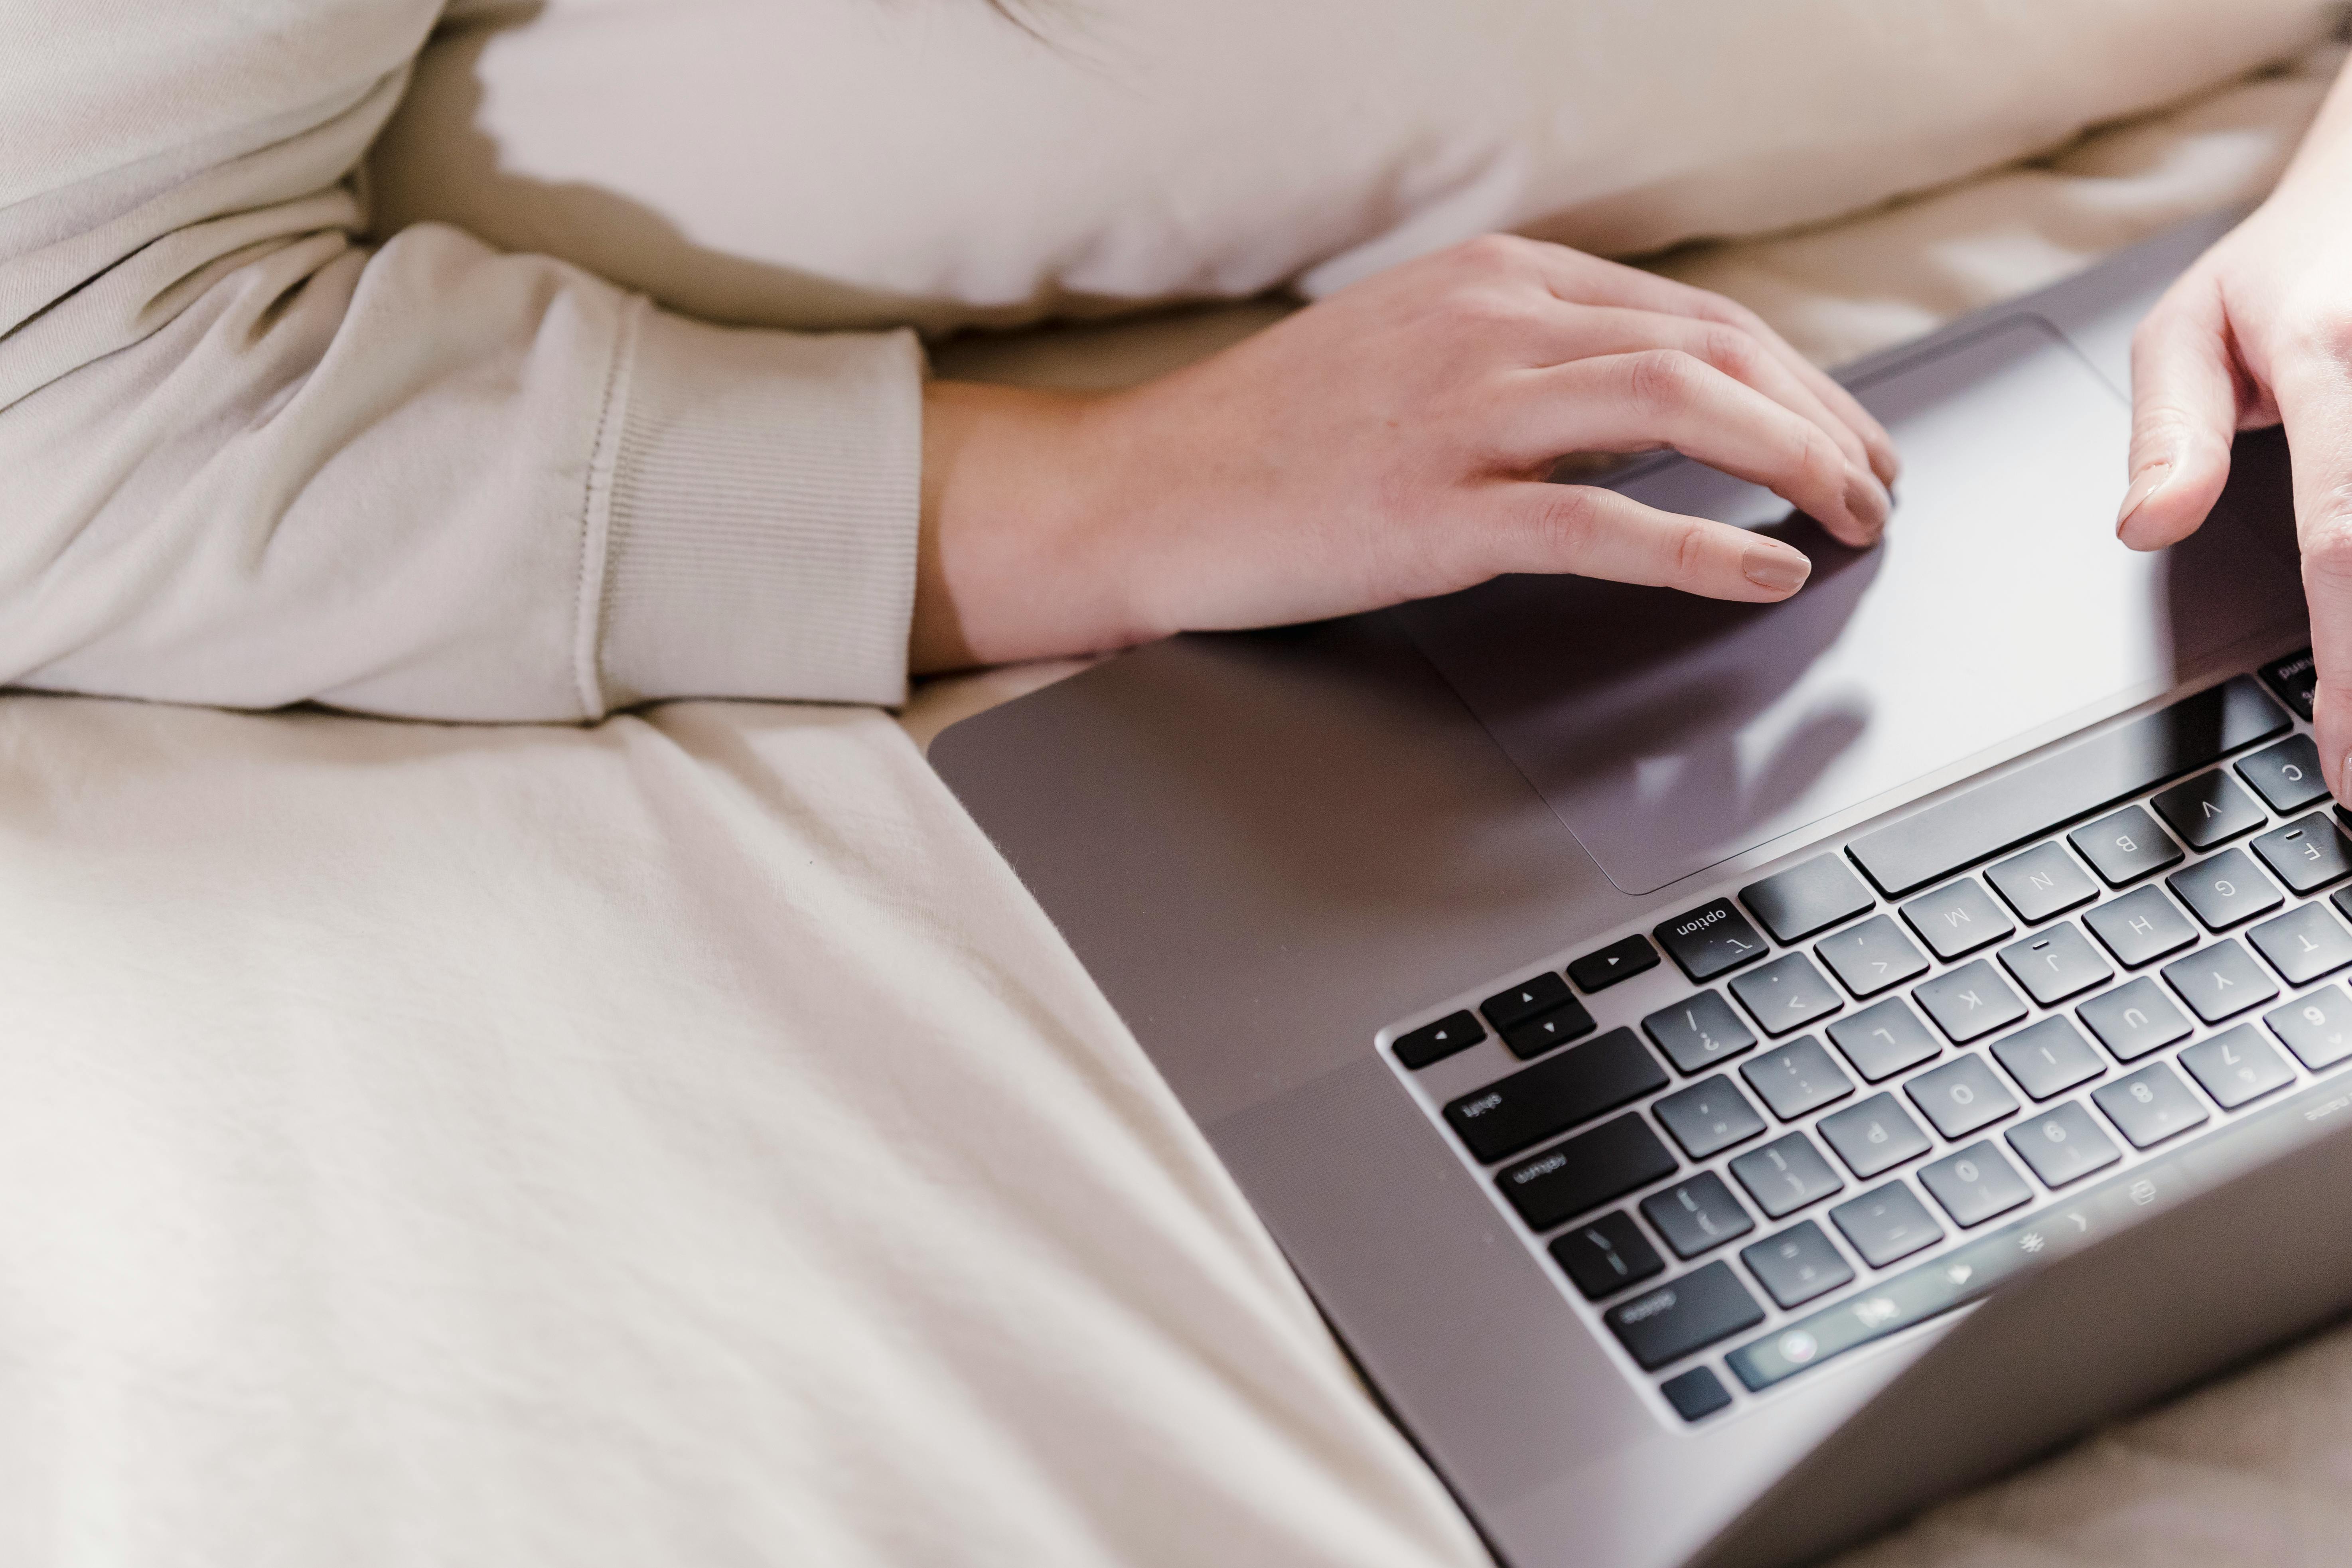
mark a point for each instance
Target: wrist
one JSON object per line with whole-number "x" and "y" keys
{"x": 1018, "y": 554}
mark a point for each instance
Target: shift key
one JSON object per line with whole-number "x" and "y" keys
{"x": 1544, "y": 1100}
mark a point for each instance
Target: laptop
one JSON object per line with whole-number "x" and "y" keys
{"x": 1731, "y": 1075}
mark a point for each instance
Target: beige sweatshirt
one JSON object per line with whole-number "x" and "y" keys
{"x": 248, "y": 460}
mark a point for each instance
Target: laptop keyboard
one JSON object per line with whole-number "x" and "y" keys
{"x": 1893, "y": 1075}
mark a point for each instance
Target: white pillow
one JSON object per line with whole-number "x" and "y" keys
{"x": 847, "y": 162}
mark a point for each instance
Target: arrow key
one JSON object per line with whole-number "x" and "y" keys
{"x": 1435, "y": 1042}
{"x": 1527, "y": 999}
{"x": 1618, "y": 960}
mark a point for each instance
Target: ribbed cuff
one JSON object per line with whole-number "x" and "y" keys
{"x": 761, "y": 495}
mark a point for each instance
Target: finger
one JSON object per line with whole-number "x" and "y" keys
{"x": 2184, "y": 413}
{"x": 1592, "y": 532}
{"x": 2316, "y": 403}
{"x": 1587, "y": 279}
{"x": 1589, "y": 330}
{"x": 1637, "y": 402}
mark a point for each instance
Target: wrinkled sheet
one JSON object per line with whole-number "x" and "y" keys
{"x": 675, "y": 1143}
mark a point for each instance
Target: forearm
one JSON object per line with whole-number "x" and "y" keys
{"x": 2325, "y": 155}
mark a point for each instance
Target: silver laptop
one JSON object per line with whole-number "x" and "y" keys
{"x": 1733, "y": 1074}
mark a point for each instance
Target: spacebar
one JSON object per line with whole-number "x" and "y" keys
{"x": 2005, "y": 811}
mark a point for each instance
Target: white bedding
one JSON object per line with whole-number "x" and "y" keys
{"x": 682, "y": 1143}
{"x": 676, "y": 1142}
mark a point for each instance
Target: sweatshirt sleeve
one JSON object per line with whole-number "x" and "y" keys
{"x": 248, "y": 460}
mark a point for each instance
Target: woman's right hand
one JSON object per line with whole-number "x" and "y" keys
{"x": 1388, "y": 443}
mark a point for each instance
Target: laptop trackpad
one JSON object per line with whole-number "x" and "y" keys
{"x": 1670, "y": 733}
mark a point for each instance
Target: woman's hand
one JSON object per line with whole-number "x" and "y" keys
{"x": 2260, "y": 331}
{"x": 1388, "y": 443}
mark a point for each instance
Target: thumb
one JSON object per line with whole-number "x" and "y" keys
{"x": 2184, "y": 415}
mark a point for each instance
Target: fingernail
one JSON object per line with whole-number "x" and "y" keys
{"x": 1775, "y": 567}
{"x": 2344, "y": 773}
{"x": 1866, "y": 500}
{"x": 2145, "y": 483}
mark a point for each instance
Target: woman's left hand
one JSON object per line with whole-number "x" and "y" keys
{"x": 1388, "y": 443}
{"x": 2257, "y": 332}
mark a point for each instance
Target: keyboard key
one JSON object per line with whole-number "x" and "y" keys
{"x": 2058, "y": 963}
{"x": 1786, "y": 1174}
{"x": 1586, "y": 1171}
{"x": 2208, "y": 809}
{"x": 1961, "y": 1096}
{"x": 2044, "y": 881}
{"x": 1970, "y": 1003}
{"x": 2063, "y": 1145}
{"x": 1797, "y": 1265}
{"x": 1606, "y": 1255}
{"x": 1805, "y": 898}
{"x": 1697, "y": 1394}
{"x": 1618, "y": 960}
{"x": 2287, "y": 775}
{"x": 1684, "y": 1315}
{"x": 1787, "y": 993}
{"x": 1567, "y": 1021}
{"x": 1713, "y": 939}
{"x": 2125, "y": 847}
{"x": 2151, "y": 1105}
{"x": 2317, "y": 1028}
{"x": 1697, "y": 1215}
{"x": 2237, "y": 1067}
{"x": 2049, "y": 1057}
{"x": 1959, "y": 919}
{"x": 1883, "y": 1039}
{"x": 2304, "y": 943}
{"x": 1975, "y": 1184}
{"x": 1698, "y": 1032}
{"x": 2135, "y": 1020}
{"x": 1886, "y": 1223}
{"x": 2307, "y": 854}
{"x": 1797, "y": 1078}
{"x": 2037, "y": 798}
{"x": 1873, "y": 956}
{"x": 1417, "y": 1049}
{"x": 1528, "y": 999}
{"x": 2296, "y": 679}
{"x": 1532, "y": 1104}
{"x": 2141, "y": 927}
{"x": 2225, "y": 890}
{"x": 1708, "y": 1116}
{"x": 1876, "y": 1135}
{"x": 2219, "y": 982}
